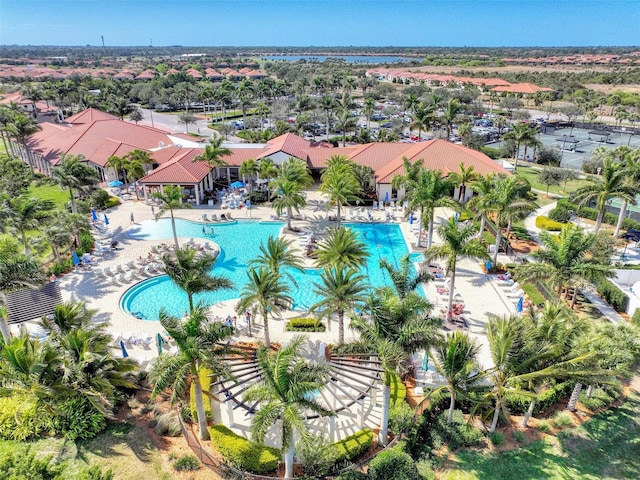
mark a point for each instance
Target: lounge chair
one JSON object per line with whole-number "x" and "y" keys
{"x": 516, "y": 294}
{"x": 129, "y": 276}
{"x": 214, "y": 217}
{"x": 205, "y": 218}
{"x": 505, "y": 283}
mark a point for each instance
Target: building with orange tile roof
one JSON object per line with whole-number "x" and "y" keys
{"x": 522, "y": 88}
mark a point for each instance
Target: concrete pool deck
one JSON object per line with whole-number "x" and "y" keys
{"x": 482, "y": 297}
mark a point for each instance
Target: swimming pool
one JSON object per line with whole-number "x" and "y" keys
{"x": 239, "y": 243}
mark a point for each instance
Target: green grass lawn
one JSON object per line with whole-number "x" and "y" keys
{"x": 50, "y": 192}
{"x": 605, "y": 447}
{"x": 531, "y": 174}
{"x": 125, "y": 449}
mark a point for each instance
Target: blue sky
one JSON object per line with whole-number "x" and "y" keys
{"x": 321, "y": 22}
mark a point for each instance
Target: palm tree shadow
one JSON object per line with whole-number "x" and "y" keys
{"x": 225, "y": 262}
{"x": 118, "y": 437}
{"x": 317, "y": 205}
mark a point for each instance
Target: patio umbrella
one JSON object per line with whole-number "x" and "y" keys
{"x": 115, "y": 183}
{"x": 386, "y": 197}
{"x": 106, "y": 219}
{"x": 159, "y": 343}
{"x": 94, "y": 215}
{"x": 520, "y": 305}
{"x": 124, "y": 349}
{"x": 488, "y": 265}
{"x": 237, "y": 184}
{"x": 76, "y": 260}
{"x": 411, "y": 218}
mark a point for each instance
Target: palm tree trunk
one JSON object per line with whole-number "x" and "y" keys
{"x": 496, "y": 415}
{"x": 73, "y": 201}
{"x": 527, "y": 416}
{"x": 573, "y": 400}
{"x": 498, "y": 241}
{"x": 623, "y": 211}
{"x": 589, "y": 391}
{"x": 419, "y": 244}
{"x": 574, "y": 297}
{"x": 288, "y": 456}
{"x": 202, "y": 416}
{"x": 4, "y": 330}
{"x": 338, "y": 224}
{"x": 384, "y": 421}
{"x": 289, "y": 218}
{"x": 483, "y": 222}
{"x": 267, "y": 339}
{"x": 599, "y": 218}
{"x": 173, "y": 226}
{"x": 452, "y": 406}
{"x": 430, "y": 231}
{"x": 451, "y": 289}
{"x": 340, "y": 327}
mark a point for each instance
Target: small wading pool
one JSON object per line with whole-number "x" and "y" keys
{"x": 239, "y": 243}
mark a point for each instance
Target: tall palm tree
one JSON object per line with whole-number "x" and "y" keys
{"x": 21, "y": 127}
{"x": 286, "y": 390}
{"x": 289, "y": 197}
{"x": 327, "y": 104}
{"x": 268, "y": 169}
{"x": 455, "y": 359}
{"x": 423, "y": 117}
{"x": 462, "y": 178}
{"x": 200, "y": 344}
{"x": 404, "y": 277}
{"x": 482, "y": 186}
{"x": 567, "y": 260}
{"x": 394, "y": 329}
{"x": 459, "y": 242}
{"x": 26, "y": 213}
{"x": 171, "y": 198}
{"x": 449, "y": 114}
{"x": 190, "y": 270}
{"x": 74, "y": 174}
{"x": 631, "y": 161}
{"x": 57, "y": 236}
{"x": 340, "y": 248}
{"x": 340, "y": 290}
{"x": 368, "y": 110}
{"x": 213, "y": 154}
{"x": 117, "y": 163}
{"x": 249, "y": 168}
{"x": 506, "y": 202}
{"x": 522, "y": 134}
{"x": 278, "y": 253}
{"x": 344, "y": 122}
{"x": 266, "y": 292}
{"x": 339, "y": 182}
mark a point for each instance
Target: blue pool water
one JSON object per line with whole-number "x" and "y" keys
{"x": 239, "y": 243}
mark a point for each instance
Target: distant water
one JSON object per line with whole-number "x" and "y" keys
{"x": 346, "y": 58}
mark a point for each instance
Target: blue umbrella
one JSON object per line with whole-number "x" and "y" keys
{"x": 237, "y": 184}
{"x": 488, "y": 265}
{"x": 386, "y": 197}
{"x": 520, "y": 305}
{"x": 94, "y": 215}
{"x": 76, "y": 259}
{"x": 106, "y": 219}
{"x": 115, "y": 183}
{"x": 124, "y": 349}
{"x": 411, "y": 218}
{"x": 247, "y": 203}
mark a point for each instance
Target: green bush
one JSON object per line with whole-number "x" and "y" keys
{"x": 23, "y": 417}
{"x": 112, "y": 202}
{"x": 24, "y": 464}
{"x": 205, "y": 381}
{"x": 562, "y": 420}
{"x": 401, "y": 418}
{"x": 354, "y": 445}
{"x": 636, "y": 317}
{"x": 95, "y": 473}
{"x": 496, "y": 438}
{"x": 393, "y": 464}
{"x": 305, "y": 325}
{"x": 86, "y": 242}
{"x": 518, "y": 404}
{"x": 259, "y": 196}
{"x": 398, "y": 390}
{"x": 545, "y": 223}
{"x": 534, "y": 295}
{"x": 317, "y": 456}
{"x": 518, "y": 436}
{"x": 600, "y": 398}
{"x": 560, "y": 214}
{"x": 592, "y": 214}
{"x": 63, "y": 266}
{"x": 99, "y": 199}
{"x": 76, "y": 418}
{"x": 544, "y": 426}
{"x": 458, "y": 433}
{"x": 186, "y": 463}
{"x": 352, "y": 475}
{"x": 242, "y": 453}
{"x": 613, "y": 295}
{"x": 492, "y": 153}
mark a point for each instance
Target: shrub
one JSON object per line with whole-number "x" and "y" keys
{"x": 354, "y": 445}
{"x": 352, "y": 475}
{"x": 398, "y": 391}
{"x": 86, "y": 241}
{"x": 22, "y": 417}
{"x": 560, "y": 214}
{"x": 168, "y": 424}
{"x": 592, "y": 214}
{"x": 186, "y": 463}
{"x": 496, "y": 438}
{"x": 492, "y": 153}
{"x": 95, "y": 473}
{"x": 243, "y": 453}
{"x": 600, "y": 397}
{"x": 259, "y": 196}
{"x": 205, "y": 381}
{"x": 393, "y": 463}
{"x": 613, "y": 295}
{"x": 545, "y": 223}
{"x": 544, "y": 426}
{"x": 636, "y": 317}
{"x": 562, "y": 420}
{"x": 458, "y": 433}
{"x": 99, "y": 199}
{"x": 112, "y": 202}
{"x": 316, "y": 457}
{"x": 534, "y": 295}
{"x": 23, "y": 464}
{"x": 518, "y": 404}
{"x": 400, "y": 418}
{"x": 76, "y": 418}
{"x": 425, "y": 469}
{"x": 548, "y": 156}
{"x": 63, "y": 266}
{"x": 519, "y": 436}
{"x": 305, "y": 325}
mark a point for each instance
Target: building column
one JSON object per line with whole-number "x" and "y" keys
{"x": 230, "y": 412}
{"x": 197, "y": 193}
{"x": 332, "y": 429}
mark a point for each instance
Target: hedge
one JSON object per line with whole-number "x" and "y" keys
{"x": 242, "y": 453}
{"x": 354, "y": 445}
{"x": 545, "y": 223}
{"x": 592, "y": 214}
{"x": 398, "y": 391}
{"x": 636, "y": 317}
{"x": 613, "y": 295}
{"x": 393, "y": 463}
{"x": 205, "y": 381}
{"x": 519, "y": 404}
{"x": 304, "y": 325}
{"x": 22, "y": 417}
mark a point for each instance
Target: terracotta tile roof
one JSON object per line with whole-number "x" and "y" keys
{"x": 179, "y": 169}
{"x": 146, "y": 75}
{"x": 288, "y": 143}
{"x": 90, "y": 115}
{"x": 192, "y": 72}
{"x": 521, "y": 88}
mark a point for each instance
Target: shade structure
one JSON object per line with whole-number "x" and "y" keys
{"x": 124, "y": 349}
{"x": 520, "y": 305}
{"x": 237, "y": 184}
{"x": 386, "y": 197}
{"x": 159, "y": 341}
{"x": 76, "y": 259}
{"x": 94, "y": 215}
{"x": 106, "y": 219}
{"x": 115, "y": 183}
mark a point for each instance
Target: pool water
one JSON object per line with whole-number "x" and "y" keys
{"x": 239, "y": 243}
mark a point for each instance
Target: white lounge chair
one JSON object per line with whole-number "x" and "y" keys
{"x": 214, "y": 217}
{"x": 516, "y": 294}
{"x": 506, "y": 283}
{"x": 128, "y": 277}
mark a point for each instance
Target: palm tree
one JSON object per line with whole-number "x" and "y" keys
{"x": 57, "y": 236}
{"x": 21, "y": 127}
{"x": 339, "y": 182}
{"x": 340, "y": 248}
{"x": 507, "y": 202}
{"x": 117, "y": 163}
{"x": 455, "y": 359}
{"x": 341, "y": 289}
{"x": 288, "y": 187}
{"x": 200, "y": 344}
{"x": 567, "y": 260}
{"x": 423, "y": 116}
{"x": 404, "y": 277}
{"x": 482, "y": 186}
{"x": 327, "y": 104}
{"x": 522, "y": 134}
{"x": 459, "y": 242}
{"x": 249, "y": 168}
{"x": 74, "y": 174}
{"x": 368, "y": 110}
{"x": 171, "y": 198}
{"x": 286, "y": 390}
{"x": 191, "y": 271}
{"x": 612, "y": 183}
{"x": 213, "y": 154}
{"x": 266, "y": 292}
{"x": 631, "y": 160}
{"x": 344, "y": 122}
{"x": 27, "y": 213}
{"x": 462, "y": 177}
{"x": 278, "y": 253}
{"x": 395, "y": 329}
{"x": 449, "y": 114}
{"x": 268, "y": 169}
